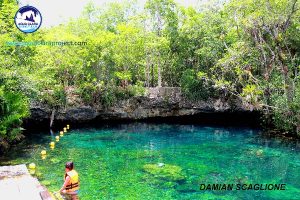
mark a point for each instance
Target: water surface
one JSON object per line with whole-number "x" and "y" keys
{"x": 111, "y": 161}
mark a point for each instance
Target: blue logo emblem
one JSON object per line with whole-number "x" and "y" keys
{"x": 28, "y": 19}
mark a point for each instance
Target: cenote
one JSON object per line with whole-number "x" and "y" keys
{"x": 163, "y": 161}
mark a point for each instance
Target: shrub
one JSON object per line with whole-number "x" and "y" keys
{"x": 13, "y": 107}
{"x": 196, "y": 86}
{"x": 60, "y": 96}
{"x": 88, "y": 91}
{"x": 54, "y": 98}
{"x": 137, "y": 90}
{"x": 108, "y": 96}
{"x": 286, "y": 116}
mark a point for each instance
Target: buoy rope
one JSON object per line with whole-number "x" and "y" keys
{"x": 44, "y": 152}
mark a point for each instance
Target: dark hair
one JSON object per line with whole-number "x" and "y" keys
{"x": 69, "y": 165}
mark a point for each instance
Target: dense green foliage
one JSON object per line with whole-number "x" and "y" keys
{"x": 15, "y": 87}
{"x": 246, "y": 49}
{"x": 13, "y": 108}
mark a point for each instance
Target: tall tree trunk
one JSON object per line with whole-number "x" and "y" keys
{"x": 159, "y": 71}
{"x": 152, "y": 73}
{"x": 159, "y": 30}
{"x": 147, "y": 70}
{"x": 286, "y": 77}
{"x": 52, "y": 117}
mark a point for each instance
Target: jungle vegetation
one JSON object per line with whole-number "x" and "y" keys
{"x": 248, "y": 49}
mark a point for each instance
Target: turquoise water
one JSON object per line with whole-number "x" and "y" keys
{"x": 114, "y": 162}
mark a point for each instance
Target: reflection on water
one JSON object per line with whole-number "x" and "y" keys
{"x": 121, "y": 162}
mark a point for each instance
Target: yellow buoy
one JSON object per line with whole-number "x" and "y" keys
{"x": 31, "y": 166}
{"x": 43, "y": 152}
{"x": 61, "y": 134}
{"x": 65, "y": 129}
{"x": 52, "y": 144}
{"x": 43, "y": 157}
{"x": 57, "y": 137}
{"x": 68, "y": 126}
{"x": 52, "y": 147}
{"x": 32, "y": 171}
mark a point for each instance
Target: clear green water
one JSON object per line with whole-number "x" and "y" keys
{"x": 110, "y": 161}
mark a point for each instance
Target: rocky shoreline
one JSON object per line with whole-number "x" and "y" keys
{"x": 158, "y": 103}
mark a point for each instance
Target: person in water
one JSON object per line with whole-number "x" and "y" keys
{"x": 70, "y": 188}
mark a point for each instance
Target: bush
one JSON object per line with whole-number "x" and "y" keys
{"x": 13, "y": 107}
{"x": 89, "y": 92}
{"x": 108, "y": 96}
{"x": 111, "y": 94}
{"x": 60, "y": 96}
{"x": 286, "y": 117}
{"x": 196, "y": 87}
{"x": 54, "y": 98}
{"x": 137, "y": 90}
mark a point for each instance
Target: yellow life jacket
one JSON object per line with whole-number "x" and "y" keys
{"x": 74, "y": 181}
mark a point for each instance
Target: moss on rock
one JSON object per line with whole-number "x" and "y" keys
{"x": 166, "y": 172}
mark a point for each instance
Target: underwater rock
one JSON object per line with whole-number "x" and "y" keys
{"x": 158, "y": 182}
{"x": 253, "y": 151}
{"x": 187, "y": 188}
{"x": 259, "y": 152}
{"x": 160, "y": 164}
{"x": 168, "y": 184}
{"x": 167, "y": 172}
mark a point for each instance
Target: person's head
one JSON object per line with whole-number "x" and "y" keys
{"x": 69, "y": 166}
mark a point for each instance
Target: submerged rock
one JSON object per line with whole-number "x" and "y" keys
{"x": 166, "y": 172}
{"x": 160, "y": 164}
{"x": 259, "y": 152}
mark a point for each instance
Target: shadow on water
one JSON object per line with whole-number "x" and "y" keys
{"x": 239, "y": 119}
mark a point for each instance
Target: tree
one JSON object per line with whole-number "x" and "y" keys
{"x": 165, "y": 24}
